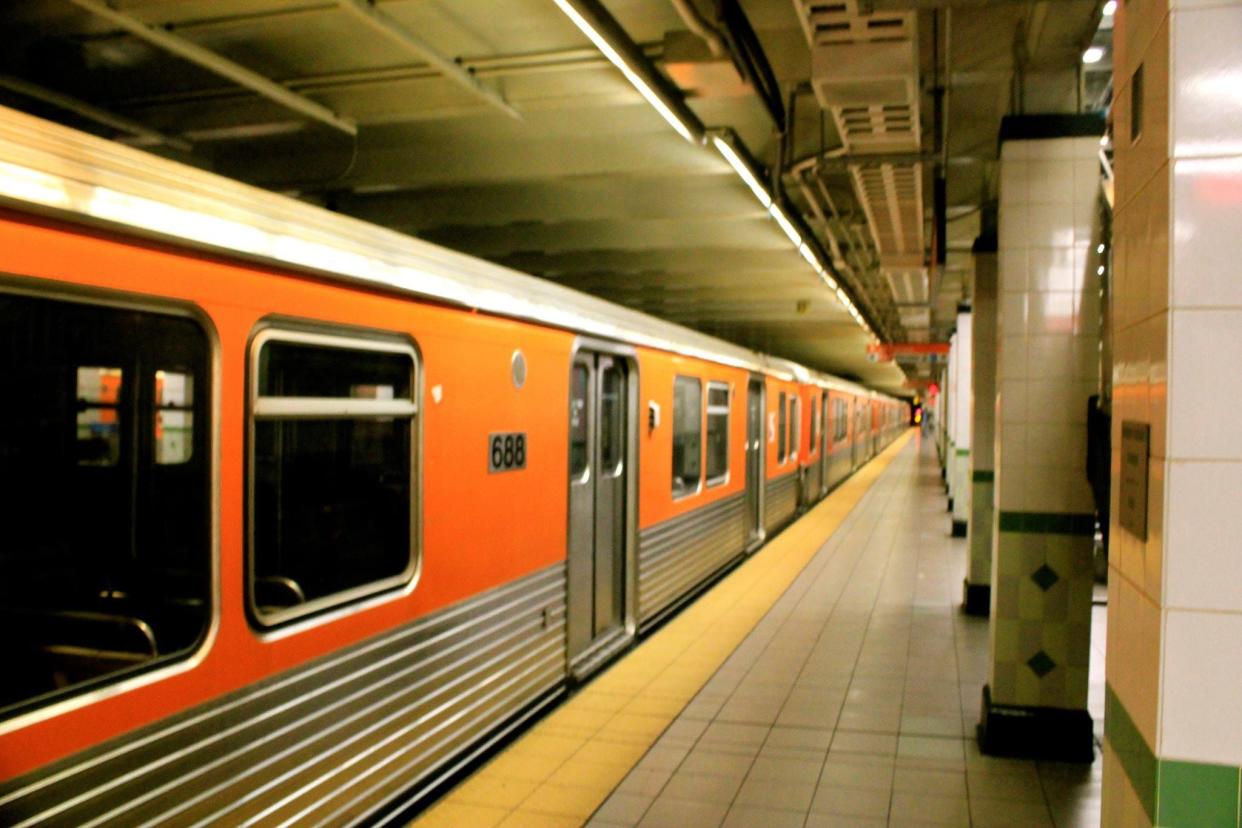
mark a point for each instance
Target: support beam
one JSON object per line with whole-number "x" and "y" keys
{"x": 364, "y": 11}
{"x": 213, "y": 62}
{"x": 97, "y": 114}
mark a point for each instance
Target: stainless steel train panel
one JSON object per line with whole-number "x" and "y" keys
{"x": 754, "y": 459}
{"x": 329, "y": 742}
{"x": 780, "y": 500}
{"x": 679, "y": 554}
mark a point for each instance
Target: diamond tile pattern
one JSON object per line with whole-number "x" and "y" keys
{"x": 1041, "y": 664}
{"x": 1045, "y": 577}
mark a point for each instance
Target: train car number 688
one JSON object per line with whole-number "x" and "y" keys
{"x": 506, "y": 451}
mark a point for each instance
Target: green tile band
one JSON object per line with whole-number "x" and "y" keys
{"x": 963, "y": 452}
{"x": 1174, "y": 793}
{"x": 1047, "y": 523}
{"x": 983, "y": 475}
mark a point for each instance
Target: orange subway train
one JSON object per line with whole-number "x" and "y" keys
{"x": 303, "y": 515}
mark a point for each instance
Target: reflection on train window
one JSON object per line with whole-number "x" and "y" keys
{"x": 687, "y": 435}
{"x": 174, "y": 418}
{"x": 782, "y": 430}
{"x": 717, "y": 433}
{"x": 578, "y": 421}
{"x": 105, "y": 567}
{"x": 332, "y": 471}
{"x": 840, "y": 418}
{"x": 99, "y": 429}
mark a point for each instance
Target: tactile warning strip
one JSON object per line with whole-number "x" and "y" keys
{"x": 563, "y": 768}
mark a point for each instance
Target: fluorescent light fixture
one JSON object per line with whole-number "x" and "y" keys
{"x": 1100, "y": 270}
{"x": 1110, "y": 8}
{"x": 830, "y": 282}
{"x": 1093, "y": 55}
{"x": 811, "y": 258}
{"x": 743, "y": 171}
{"x": 1099, "y": 248}
{"x": 786, "y": 224}
{"x": 615, "y": 58}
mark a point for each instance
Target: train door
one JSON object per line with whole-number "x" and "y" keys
{"x": 858, "y": 443}
{"x": 599, "y": 474}
{"x": 823, "y": 443}
{"x": 754, "y": 460}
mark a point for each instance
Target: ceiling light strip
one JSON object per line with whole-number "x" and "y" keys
{"x": 597, "y": 24}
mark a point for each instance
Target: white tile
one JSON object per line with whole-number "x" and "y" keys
{"x": 1014, "y": 178}
{"x": 1207, "y": 217}
{"x": 1205, "y": 384}
{"x": 1050, "y": 182}
{"x": 1013, "y": 401}
{"x": 1013, "y": 233}
{"x": 1049, "y": 225}
{"x": 1207, "y": 111}
{"x": 1012, "y": 270}
{"x": 1012, "y": 318}
{"x": 1049, "y": 356}
{"x": 1012, "y": 358}
{"x": 1051, "y": 268}
{"x": 1012, "y": 445}
{"x": 1050, "y": 312}
{"x": 1204, "y": 535}
{"x": 1201, "y": 676}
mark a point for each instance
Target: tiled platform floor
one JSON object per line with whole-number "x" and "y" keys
{"x": 853, "y": 701}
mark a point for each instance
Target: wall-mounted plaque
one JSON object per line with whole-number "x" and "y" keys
{"x": 1132, "y": 498}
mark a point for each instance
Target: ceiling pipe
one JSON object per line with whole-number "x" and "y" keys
{"x": 140, "y": 133}
{"x": 365, "y": 11}
{"x": 700, "y": 26}
{"x": 213, "y": 62}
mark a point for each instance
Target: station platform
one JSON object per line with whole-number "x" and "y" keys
{"x": 830, "y": 680}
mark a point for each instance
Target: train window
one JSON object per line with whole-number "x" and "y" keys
{"x": 717, "y": 433}
{"x": 611, "y": 419}
{"x": 794, "y": 426}
{"x": 814, "y": 424}
{"x": 106, "y": 564}
{"x": 687, "y": 435}
{"x": 782, "y": 430}
{"x": 842, "y": 419}
{"x": 578, "y": 421}
{"x": 332, "y": 471}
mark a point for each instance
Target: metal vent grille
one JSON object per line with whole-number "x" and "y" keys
{"x": 892, "y": 197}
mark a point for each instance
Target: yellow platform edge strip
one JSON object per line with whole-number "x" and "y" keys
{"x": 562, "y": 769}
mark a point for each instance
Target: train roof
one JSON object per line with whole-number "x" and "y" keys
{"x": 58, "y": 170}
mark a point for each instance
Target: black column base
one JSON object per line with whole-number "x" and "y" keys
{"x": 959, "y": 529}
{"x": 1051, "y": 733}
{"x": 950, "y": 505}
{"x": 976, "y": 599}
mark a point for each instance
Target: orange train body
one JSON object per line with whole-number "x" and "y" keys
{"x": 480, "y": 532}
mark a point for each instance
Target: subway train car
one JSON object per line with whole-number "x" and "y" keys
{"x": 303, "y": 515}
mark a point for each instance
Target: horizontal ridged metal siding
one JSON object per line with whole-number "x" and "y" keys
{"x": 327, "y": 743}
{"x": 780, "y": 500}
{"x": 677, "y": 555}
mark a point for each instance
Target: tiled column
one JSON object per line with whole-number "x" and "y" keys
{"x": 1035, "y": 702}
{"x": 950, "y": 411}
{"x": 960, "y": 461}
{"x": 1173, "y": 720}
{"x": 977, "y": 591}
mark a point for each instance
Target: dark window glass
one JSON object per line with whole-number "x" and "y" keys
{"x": 794, "y": 431}
{"x": 814, "y": 423}
{"x": 612, "y": 417}
{"x": 332, "y": 472}
{"x": 105, "y": 563}
{"x": 781, "y": 430}
{"x": 717, "y": 433}
{"x": 578, "y": 423}
{"x": 687, "y": 435}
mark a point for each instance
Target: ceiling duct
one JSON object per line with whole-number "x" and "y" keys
{"x": 865, "y": 72}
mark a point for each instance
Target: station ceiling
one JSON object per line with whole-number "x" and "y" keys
{"x": 498, "y": 128}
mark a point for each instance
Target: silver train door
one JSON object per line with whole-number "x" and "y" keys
{"x": 754, "y": 460}
{"x": 599, "y": 474}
